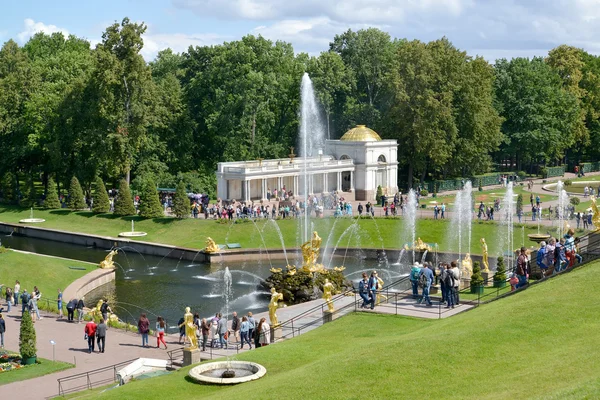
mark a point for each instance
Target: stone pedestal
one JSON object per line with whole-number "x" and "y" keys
{"x": 434, "y": 289}
{"x": 191, "y": 356}
{"x": 464, "y": 283}
{"x": 327, "y": 316}
{"x": 487, "y": 278}
{"x": 276, "y": 333}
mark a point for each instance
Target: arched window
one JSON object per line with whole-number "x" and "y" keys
{"x": 344, "y": 157}
{"x": 381, "y": 159}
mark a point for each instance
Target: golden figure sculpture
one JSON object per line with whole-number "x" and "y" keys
{"x": 275, "y": 270}
{"x": 291, "y": 270}
{"x": 380, "y": 295}
{"x": 419, "y": 245}
{"x": 339, "y": 269}
{"x": 108, "y": 263}
{"x": 486, "y": 264}
{"x": 310, "y": 250}
{"x": 190, "y": 329}
{"x": 275, "y": 297}
{"x": 327, "y": 294}
{"x": 211, "y": 246}
{"x": 596, "y": 215}
{"x": 467, "y": 267}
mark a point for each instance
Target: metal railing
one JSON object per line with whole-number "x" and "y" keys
{"x": 91, "y": 379}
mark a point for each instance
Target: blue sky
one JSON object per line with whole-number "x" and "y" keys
{"x": 491, "y": 28}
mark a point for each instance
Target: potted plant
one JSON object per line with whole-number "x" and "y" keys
{"x": 27, "y": 340}
{"x": 476, "y": 279}
{"x": 500, "y": 275}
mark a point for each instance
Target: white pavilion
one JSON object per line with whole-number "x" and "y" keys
{"x": 353, "y": 165}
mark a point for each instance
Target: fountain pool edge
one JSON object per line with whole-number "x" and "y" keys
{"x": 196, "y": 372}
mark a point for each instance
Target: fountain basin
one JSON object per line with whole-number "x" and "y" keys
{"x": 538, "y": 237}
{"x": 211, "y": 373}
{"x": 132, "y": 234}
{"x": 31, "y": 220}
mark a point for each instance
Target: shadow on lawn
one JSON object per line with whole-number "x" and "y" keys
{"x": 60, "y": 212}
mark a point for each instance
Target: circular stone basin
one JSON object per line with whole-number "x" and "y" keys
{"x": 576, "y": 188}
{"x": 538, "y": 237}
{"x": 211, "y": 373}
{"x": 31, "y": 220}
{"x": 132, "y": 234}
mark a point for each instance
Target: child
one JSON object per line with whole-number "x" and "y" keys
{"x": 513, "y": 282}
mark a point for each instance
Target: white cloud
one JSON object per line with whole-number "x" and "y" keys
{"x": 178, "y": 42}
{"x": 31, "y": 28}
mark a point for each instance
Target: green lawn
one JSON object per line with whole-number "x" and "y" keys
{"x": 192, "y": 233}
{"x": 44, "y": 367}
{"x": 535, "y": 344}
{"x": 47, "y": 273}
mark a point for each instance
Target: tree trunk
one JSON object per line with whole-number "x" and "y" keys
{"x": 410, "y": 175}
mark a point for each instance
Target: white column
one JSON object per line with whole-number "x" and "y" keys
{"x": 310, "y": 184}
{"x": 247, "y": 186}
{"x": 279, "y": 184}
{"x": 296, "y": 185}
{"x": 339, "y": 182}
{"x": 263, "y": 189}
{"x": 352, "y": 181}
{"x": 325, "y": 183}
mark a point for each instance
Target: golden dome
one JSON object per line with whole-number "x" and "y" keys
{"x": 361, "y": 134}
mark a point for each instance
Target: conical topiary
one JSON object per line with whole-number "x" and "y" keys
{"x": 124, "y": 202}
{"x": 51, "y": 200}
{"x": 101, "y": 202}
{"x": 27, "y": 339}
{"x": 520, "y": 204}
{"x": 76, "y": 199}
{"x": 8, "y": 186}
{"x": 31, "y": 197}
{"x": 181, "y": 202}
{"x": 476, "y": 278}
{"x": 500, "y": 275}
{"x": 149, "y": 203}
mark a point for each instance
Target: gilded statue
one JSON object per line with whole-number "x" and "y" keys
{"x": 485, "y": 261}
{"x": 327, "y": 294}
{"x": 310, "y": 250}
{"x": 108, "y": 263}
{"x": 596, "y": 216}
{"x": 467, "y": 267}
{"x": 190, "y": 329}
{"x": 380, "y": 295}
{"x": 419, "y": 245}
{"x": 275, "y": 297}
{"x": 291, "y": 270}
{"x": 211, "y": 246}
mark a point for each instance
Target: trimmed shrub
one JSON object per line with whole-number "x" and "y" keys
{"x": 424, "y": 192}
{"x": 27, "y": 339}
{"x": 51, "y": 200}
{"x": 379, "y": 193}
{"x": 519, "y": 204}
{"x": 568, "y": 182}
{"x": 124, "y": 202}
{"x": 8, "y": 186}
{"x": 476, "y": 278}
{"x": 575, "y": 201}
{"x": 181, "y": 203}
{"x": 500, "y": 275}
{"x": 149, "y": 202}
{"x": 31, "y": 197}
{"x": 522, "y": 175}
{"x": 101, "y": 201}
{"x": 76, "y": 198}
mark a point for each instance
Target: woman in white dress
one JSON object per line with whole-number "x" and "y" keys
{"x": 264, "y": 330}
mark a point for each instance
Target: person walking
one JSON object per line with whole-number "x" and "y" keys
{"x": 373, "y": 286}
{"x": 2, "y": 330}
{"x": 522, "y": 268}
{"x": 363, "y": 290}
{"x": 80, "y": 306}
{"x": 425, "y": 281}
{"x": 160, "y": 332}
{"x": 105, "y": 309}
{"x": 24, "y": 301}
{"x": 244, "y": 330}
{"x": 456, "y": 276}
{"x": 264, "y": 332}
{"x": 414, "y": 279}
{"x": 101, "y": 335}
{"x": 252, "y": 323}
{"x": 71, "y": 305}
{"x": 144, "y": 329}
{"x": 205, "y": 328}
{"x": 9, "y": 298}
{"x": 90, "y": 335}
{"x": 235, "y": 326}
{"x": 35, "y": 296}
{"x": 223, "y": 331}
{"x": 17, "y": 292}
{"x": 59, "y": 304}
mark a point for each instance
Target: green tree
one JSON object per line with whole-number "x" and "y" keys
{"x": 8, "y": 186}
{"x": 76, "y": 198}
{"x": 520, "y": 204}
{"x": 124, "y": 202}
{"x": 31, "y": 195}
{"x": 181, "y": 202}
{"x": 51, "y": 201}
{"x": 27, "y": 337}
{"x": 149, "y": 202}
{"x": 101, "y": 201}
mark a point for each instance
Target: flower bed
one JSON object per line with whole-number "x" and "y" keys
{"x": 9, "y": 361}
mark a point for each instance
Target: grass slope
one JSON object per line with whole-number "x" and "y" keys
{"x": 537, "y": 344}
{"x": 44, "y": 367}
{"x": 192, "y": 233}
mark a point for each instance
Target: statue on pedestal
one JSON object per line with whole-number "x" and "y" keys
{"x": 108, "y": 263}
{"x": 380, "y": 294}
{"x": 484, "y": 249}
{"x": 419, "y": 245}
{"x": 190, "y": 329}
{"x": 467, "y": 267}
{"x": 327, "y": 294}
{"x": 211, "y": 246}
{"x": 596, "y": 216}
{"x": 275, "y": 297}
{"x": 310, "y": 251}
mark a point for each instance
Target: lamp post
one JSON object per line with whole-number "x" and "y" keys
{"x": 53, "y": 343}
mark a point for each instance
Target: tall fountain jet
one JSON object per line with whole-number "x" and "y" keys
{"x": 462, "y": 218}
{"x": 507, "y": 216}
{"x": 410, "y": 226}
{"x": 311, "y": 138}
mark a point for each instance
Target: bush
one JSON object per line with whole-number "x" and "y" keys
{"x": 31, "y": 197}
{"x": 544, "y": 172}
{"x": 101, "y": 201}
{"x": 124, "y": 202}
{"x": 568, "y": 182}
{"x": 76, "y": 198}
{"x": 522, "y": 175}
{"x": 575, "y": 201}
{"x": 379, "y": 193}
{"x": 519, "y": 204}
{"x": 500, "y": 275}
{"x": 181, "y": 203}
{"x": 51, "y": 200}
{"x": 8, "y": 186}
{"x": 476, "y": 278}
{"x": 424, "y": 192}
{"x": 149, "y": 202}
{"x": 27, "y": 339}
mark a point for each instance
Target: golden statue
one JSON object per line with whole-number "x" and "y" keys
{"x": 211, "y": 246}
{"x": 275, "y": 297}
{"x": 291, "y": 270}
{"x": 310, "y": 250}
{"x": 485, "y": 261}
{"x": 108, "y": 263}
{"x": 275, "y": 270}
{"x": 327, "y": 294}
{"x": 596, "y": 216}
{"x": 380, "y": 295}
{"x": 467, "y": 267}
{"x": 190, "y": 329}
{"x": 339, "y": 269}
{"x": 419, "y": 245}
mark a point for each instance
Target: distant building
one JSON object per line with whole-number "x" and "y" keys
{"x": 354, "y": 165}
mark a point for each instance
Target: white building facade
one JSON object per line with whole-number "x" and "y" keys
{"x": 356, "y": 164}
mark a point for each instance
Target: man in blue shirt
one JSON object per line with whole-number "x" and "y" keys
{"x": 363, "y": 290}
{"x": 373, "y": 286}
{"x": 428, "y": 274}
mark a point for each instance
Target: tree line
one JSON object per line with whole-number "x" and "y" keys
{"x": 67, "y": 109}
